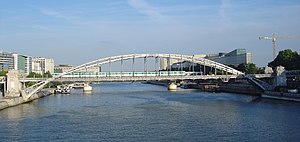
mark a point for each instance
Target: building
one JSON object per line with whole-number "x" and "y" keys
{"x": 42, "y": 65}
{"x": 235, "y": 57}
{"x": 14, "y": 61}
{"x": 22, "y": 63}
{"x": 6, "y": 61}
{"x": 184, "y": 64}
{"x": 63, "y": 68}
{"x": 164, "y": 65}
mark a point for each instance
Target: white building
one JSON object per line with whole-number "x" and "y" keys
{"x": 62, "y": 68}
{"x": 42, "y": 65}
{"x": 164, "y": 63}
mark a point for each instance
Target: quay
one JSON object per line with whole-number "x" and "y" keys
{"x": 281, "y": 96}
{"x": 6, "y": 102}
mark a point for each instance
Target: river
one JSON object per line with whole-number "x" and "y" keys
{"x": 143, "y": 112}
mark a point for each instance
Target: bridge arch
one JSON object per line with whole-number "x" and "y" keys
{"x": 206, "y": 62}
{"x": 189, "y": 58}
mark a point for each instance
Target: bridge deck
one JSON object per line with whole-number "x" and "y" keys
{"x": 139, "y": 78}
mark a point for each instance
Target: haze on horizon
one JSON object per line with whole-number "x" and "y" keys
{"x": 76, "y": 31}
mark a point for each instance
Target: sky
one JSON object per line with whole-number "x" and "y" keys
{"x": 79, "y": 31}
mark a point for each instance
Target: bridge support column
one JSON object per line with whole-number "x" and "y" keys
{"x": 280, "y": 76}
{"x": 87, "y": 88}
{"x": 23, "y": 85}
{"x": 172, "y": 86}
{"x": 4, "y": 89}
{"x": 13, "y": 84}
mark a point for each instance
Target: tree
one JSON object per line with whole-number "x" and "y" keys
{"x": 261, "y": 70}
{"x": 28, "y": 84}
{"x": 37, "y": 75}
{"x": 241, "y": 67}
{"x": 47, "y": 74}
{"x": 249, "y": 68}
{"x": 34, "y": 75}
{"x": 3, "y": 73}
{"x": 288, "y": 59}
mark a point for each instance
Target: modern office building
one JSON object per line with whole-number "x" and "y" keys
{"x": 14, "y": 61}
{"x": 42, "y": 65}
{"x": 6, "y": 61}
{"x": 22, "y": 63}
{"x": 235, "y": 57}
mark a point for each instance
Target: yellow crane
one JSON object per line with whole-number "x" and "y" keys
{"x": 274, "y": 38}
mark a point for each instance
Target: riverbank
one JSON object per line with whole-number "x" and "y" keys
{"x": 160, "y": 83}
{"x": 14, "y": 101}
{"x": 240, "y": 88}
{"x": 281, "y": 96}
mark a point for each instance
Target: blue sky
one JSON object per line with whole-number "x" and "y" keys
{"x": 78, "y": 31}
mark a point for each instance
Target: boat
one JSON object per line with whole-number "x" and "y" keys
{"x": 62, "y": 90}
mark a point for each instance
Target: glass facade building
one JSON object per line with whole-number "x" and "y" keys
{"x": 13, "y": 61}
{"x": 6, "y": 61}
{"x": 23, "y": 63}
{"x": 235, "y": 57}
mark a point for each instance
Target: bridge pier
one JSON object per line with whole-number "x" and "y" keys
{"x": 14, "y": 86}
{"x": 172, "y": 86}
{"x": 87, "y": 88}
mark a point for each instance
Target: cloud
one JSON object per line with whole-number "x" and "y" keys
{"x": 53, "y": 13}
{"x": 143, "y": 7}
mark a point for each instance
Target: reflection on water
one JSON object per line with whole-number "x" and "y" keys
{"x": 142, "y": 112}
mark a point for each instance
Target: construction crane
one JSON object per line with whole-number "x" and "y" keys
{"x": 274, "y": 39}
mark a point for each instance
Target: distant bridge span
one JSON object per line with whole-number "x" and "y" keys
{"x": 28, "y": 92}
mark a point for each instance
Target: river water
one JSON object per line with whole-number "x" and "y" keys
{"x": 143, "y": 112}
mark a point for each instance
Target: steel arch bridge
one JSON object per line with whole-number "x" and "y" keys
{"x": 28, "y": 92}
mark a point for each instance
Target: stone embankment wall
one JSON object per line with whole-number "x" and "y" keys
{"x": 13, "y": 101}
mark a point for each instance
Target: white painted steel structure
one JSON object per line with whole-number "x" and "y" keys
{"x": 28, "y": 92}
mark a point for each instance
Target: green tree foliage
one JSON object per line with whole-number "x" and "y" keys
{"x": 53, "y": 84}
{"x": 28, "y": 84}
{"x": 47, "y": 74}
{"x": 288, "y": 59}
{"x": 261, "y": 70}
{"x": 3, "y": 73}
{"x": 249, "y": 68}
{"x": 34, "y": 75}
{"x": 37, "y": 75}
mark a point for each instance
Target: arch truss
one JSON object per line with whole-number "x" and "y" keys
{"x": 108, "y": 60}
